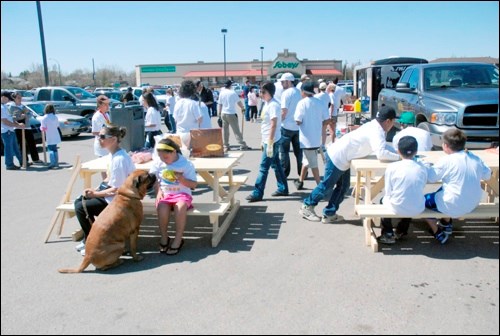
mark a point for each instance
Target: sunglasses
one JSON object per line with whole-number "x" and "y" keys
{"x": 105, "y": 136}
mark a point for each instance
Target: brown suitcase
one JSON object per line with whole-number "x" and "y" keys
{"x": 207, "y": 142}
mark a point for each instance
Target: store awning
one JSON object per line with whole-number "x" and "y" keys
{"x": 332, "y": 72}
{"x": 229, "y": 73}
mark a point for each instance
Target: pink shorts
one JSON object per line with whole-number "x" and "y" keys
{"x": 173, "y": 199}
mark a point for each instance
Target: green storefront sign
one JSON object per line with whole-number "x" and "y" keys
{"x": 169, "y": 68}
{"x": 285, "y": 65}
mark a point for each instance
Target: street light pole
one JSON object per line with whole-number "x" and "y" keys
{"x": 224, "y": 31}
{"x": 58, "y": 69}
{"x": 261, "y": 64}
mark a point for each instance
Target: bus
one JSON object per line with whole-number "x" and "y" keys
{"x": 370, "y": 79}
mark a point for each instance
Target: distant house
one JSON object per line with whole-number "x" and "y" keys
{"x": 490, "y": 60}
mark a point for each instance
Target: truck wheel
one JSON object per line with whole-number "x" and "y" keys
{"x": 425, "y": 126}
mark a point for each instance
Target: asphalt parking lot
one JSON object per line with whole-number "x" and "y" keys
{"x": 272, "y": 273}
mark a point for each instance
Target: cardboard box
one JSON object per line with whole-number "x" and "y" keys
{"x": 207, "y": 142}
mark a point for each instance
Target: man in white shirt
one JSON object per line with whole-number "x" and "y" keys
{"x": 407, "y": 120}
{"x": 325, "y": 99}
{"x": 226, "y": 109}
{"x": 289, "y": 128}
{"x": 303, "y": 78}
{"x": 368, "y": 139}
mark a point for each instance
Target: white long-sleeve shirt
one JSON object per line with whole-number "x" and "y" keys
{"x": 366, "y": 140}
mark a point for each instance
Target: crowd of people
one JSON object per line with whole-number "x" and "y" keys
{"x": 291, "y": 116}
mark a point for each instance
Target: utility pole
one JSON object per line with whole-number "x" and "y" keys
{"x": 93, "y": 71}
{"x": 224, "y": 31}
{"x": 42, "y": 40}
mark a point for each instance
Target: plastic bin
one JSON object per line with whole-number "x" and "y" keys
{"x": 132, "y": 117}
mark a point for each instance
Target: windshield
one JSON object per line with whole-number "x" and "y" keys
{"x": 38, "y": 108}
{"x": 80, "y": 93}
{"x": 465, "y": 75}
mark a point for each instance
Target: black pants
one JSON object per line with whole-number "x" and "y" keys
{"x": 150, "y": 138}
{"x": 402, "y": 227}
{"x": 94, "y": 207}
{"x": 30, "y": 144}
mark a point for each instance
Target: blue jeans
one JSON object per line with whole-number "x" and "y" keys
{"x": 333, "y": 177}
{"x": 11, "y": 149}
{"x": 53, "y": 155}
{"x": 265, "y": 164}
{"x": 247, "y": 110}
{"x": 288, "y": 137}
{"x": 172, "y": 123}
{"x": 214, "y": 109}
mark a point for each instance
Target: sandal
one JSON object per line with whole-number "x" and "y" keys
{"x": 164, "y": 247}
{"x": 175, "y": 250}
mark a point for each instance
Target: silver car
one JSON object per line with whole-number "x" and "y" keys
{"x": 69, "y": 124}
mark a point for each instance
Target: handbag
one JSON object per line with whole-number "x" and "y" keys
{"x": 219, "y": 122}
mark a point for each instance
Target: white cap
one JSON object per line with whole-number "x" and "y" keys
{"x": 287, "y": 76}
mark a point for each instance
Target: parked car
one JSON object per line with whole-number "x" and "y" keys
{"x": 115, "y": 94}
{"x": 160, "y": 98}
{"x": 99, "y": 90}
{"x": 69, "y": 124}
{"x": 27, "y": 95}
{"x": 68, "y": 99}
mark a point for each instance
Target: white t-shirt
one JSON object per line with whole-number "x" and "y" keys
{"x": 270, "y": 111}
{"x": 187, "y": 115}
{"x": 168, "y": 182}
{"x": 461, "y": 174}
{"x": 279, "y": 91}
{"x": 206, "y": 122}
{"x": 98, "y": 121}
{"x": 404, "y": 187}
{"x": 51, "y": 123}
{"x": 338, "y": 96}
{"x": 8, "y": 116}
{"x": 120, "y": 167}
{"x": 228, "y": 100}
{"x": 423, "y": 138}
{"x": 289, "y": 100}
{"x": 366, "y": 140}
{"x": 324, "y": 97}
{"x": 311, "y": 112}
{"x": 153, "y": 117}
{"x": 252, "y": 99}
{"x": 171, "y": 104}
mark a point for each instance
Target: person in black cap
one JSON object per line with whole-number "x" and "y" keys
{"x": 404, "y": 190}
{"x": 10, "y": 145}
{"x": 226, "y": 109}
{"x": 129, "y": 96}
{"x": 368, "y": 139}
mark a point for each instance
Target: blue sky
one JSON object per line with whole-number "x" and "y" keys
{"x": 125, "y": 34}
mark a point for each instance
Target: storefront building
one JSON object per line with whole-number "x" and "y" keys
{"x": 256, "y": 71}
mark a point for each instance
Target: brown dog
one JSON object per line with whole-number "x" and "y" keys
{"x": 120, "y": 220}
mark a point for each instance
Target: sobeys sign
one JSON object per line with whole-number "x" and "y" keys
{"x": 286, "y": 62}
{"x": 285, "y": 65}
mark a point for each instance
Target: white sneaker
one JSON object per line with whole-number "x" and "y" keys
{"x": 80, "y": 246}
{"x": 82, "y": 252}
{"x": 332, "y": 219}
{"x": 307, "y": 212}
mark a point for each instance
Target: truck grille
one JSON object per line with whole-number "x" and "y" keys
{"x": 481, "y": 116}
